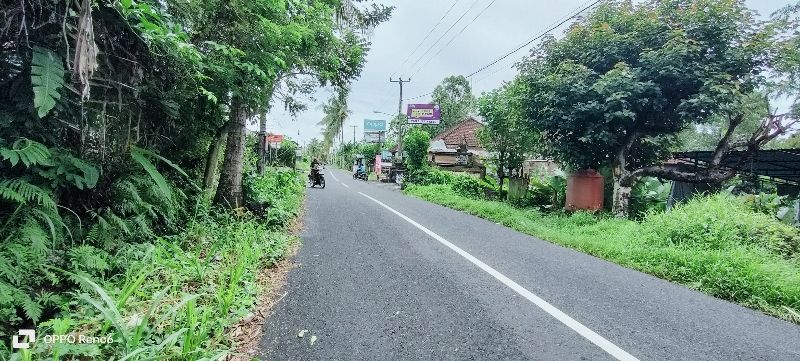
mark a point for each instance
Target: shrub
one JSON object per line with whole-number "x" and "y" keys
{"x": 722, "y": 222}
{"x": 649, "y": 194}
{"x": 471, "y": 187}
{"x": 416, "y": 144}
{"x": 548, "y": 194}
{"x": 435, "y": 176}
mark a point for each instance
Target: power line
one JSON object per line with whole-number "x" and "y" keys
{"x": 405, "y": 61}
{"x": 443, "y": 35}
{"x": 454, "y": 37}
{"x": 425, "y": 38}
{"x": 529, "y": 42}
{"x": 562, "y": 21}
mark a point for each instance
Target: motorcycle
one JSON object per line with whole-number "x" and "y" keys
{"x": 360, "y": 175}
{"x": 316, "y": 178}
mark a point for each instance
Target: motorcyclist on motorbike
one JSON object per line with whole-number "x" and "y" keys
{"x": 360, "y": 171}
{"x": 314, "y": 169}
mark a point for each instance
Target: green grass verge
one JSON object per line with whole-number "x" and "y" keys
{"x": 180, "y": 294}
{"x": 713, "y": 245}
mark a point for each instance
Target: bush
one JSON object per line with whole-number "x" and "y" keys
{"x": 547, "y": 194}
{"x": 416, "y": 144}
{"x": 429, "y": 176}
{"x": 723, "y": 222}
{"x": 649, "y": 195}
{"x": 276, "y": 195}
{"x": 471, "y": 187}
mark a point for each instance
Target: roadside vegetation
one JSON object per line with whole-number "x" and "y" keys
{"x": 718, "y": 245}
{"x": 173, "y": 296}
{"x": 133, "y": 202}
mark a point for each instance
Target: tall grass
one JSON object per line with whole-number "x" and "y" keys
{"x": 716, "y": 245}
{"x": 180, "y": 294}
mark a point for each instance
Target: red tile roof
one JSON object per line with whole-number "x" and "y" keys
{"x": 465, "y": 131}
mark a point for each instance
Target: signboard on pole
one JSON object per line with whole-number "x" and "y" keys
{"x": 372, "y": 125}
{"x": 374, "y": 137}
{"x": 274, "y": 140}
{"x": 424, "y": 114}
{"x": 374, "y": 130}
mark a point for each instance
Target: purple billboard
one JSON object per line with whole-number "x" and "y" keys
{"x": 424, "y": 114}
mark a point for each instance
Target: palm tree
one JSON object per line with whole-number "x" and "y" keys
{"x": 336, "y": 112}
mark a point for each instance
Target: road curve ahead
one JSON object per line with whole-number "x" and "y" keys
{"x": 384, "y": 276}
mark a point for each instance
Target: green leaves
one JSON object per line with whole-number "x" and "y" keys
{"x": 47, "y": 78}
{"x": 141, "y": 156}
{"x": 30, "y": 153}
{"x": 138, "y": 155}
{"x": 21, "y": 191}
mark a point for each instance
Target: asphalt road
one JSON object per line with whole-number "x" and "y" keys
{"x": 384, "y": 276}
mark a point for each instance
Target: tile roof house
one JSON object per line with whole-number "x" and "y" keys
{"x": 458, "y": 149}
{"x": 463, "y": 133}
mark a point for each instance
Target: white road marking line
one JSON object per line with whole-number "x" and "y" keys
{"x": 570, "y": 322}
{"x": 334, "y": 176}
{"x": 345, "y": 185}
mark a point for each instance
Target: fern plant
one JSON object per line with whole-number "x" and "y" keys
{"x": 47, "y": 78}
{"x": 32, "y": 230}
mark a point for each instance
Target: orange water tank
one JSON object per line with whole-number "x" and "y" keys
{"x": 584, "y": 191}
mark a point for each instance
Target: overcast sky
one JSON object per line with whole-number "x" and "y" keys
{"x": 500, "y": 26}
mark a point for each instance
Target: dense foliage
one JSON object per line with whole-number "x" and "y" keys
{"x": 505, "y": 135}
{"x": 112, "y": 116}
{"x": 623, "y": 83}
{"x": 175, "y": 296}
{"x": 415, "y": 144}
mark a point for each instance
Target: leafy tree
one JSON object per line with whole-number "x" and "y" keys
{"x": 785, "y": 79}
{"x": 625, "y": 81}
{"x": 416, "y": 144}
{"x": 456, "y": 101}
{"x": 325, "y": 40}
{"x": 504, "y": 134}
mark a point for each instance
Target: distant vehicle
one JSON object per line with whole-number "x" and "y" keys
{"x": 316, "y": 178}
{"x": 360, "y": 174}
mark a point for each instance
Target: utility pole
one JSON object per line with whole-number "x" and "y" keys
{"x": 262, "y": 143}
{"x": 400, "y": 114}
{"x": 354, "y": 133}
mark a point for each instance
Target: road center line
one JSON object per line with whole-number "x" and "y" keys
{"x": 562, "y": 317}
{"x": 334, "y": 176}
{"x": 345, "y": 185}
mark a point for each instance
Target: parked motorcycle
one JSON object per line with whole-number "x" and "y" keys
{"x": 316, "y": 178}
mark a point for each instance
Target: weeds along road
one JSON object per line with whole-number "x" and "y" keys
{"x": 384, "y": 276}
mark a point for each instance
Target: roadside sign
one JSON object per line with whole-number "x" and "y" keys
{"x": 274, "y": 140}
{"x": 373, "y": 125}
{"x": 374, "y": 137}
{"x": 377, "y": 163}
{"x": 424, "y": 114}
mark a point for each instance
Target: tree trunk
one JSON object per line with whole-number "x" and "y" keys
{"x": 212, "y": 158}
{"x": 262, "y": 142}
{"x": 229, "y": 191}
{"x": 622, "y": 199}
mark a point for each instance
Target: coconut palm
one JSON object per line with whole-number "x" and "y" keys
{"x": 336, "y": 112}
